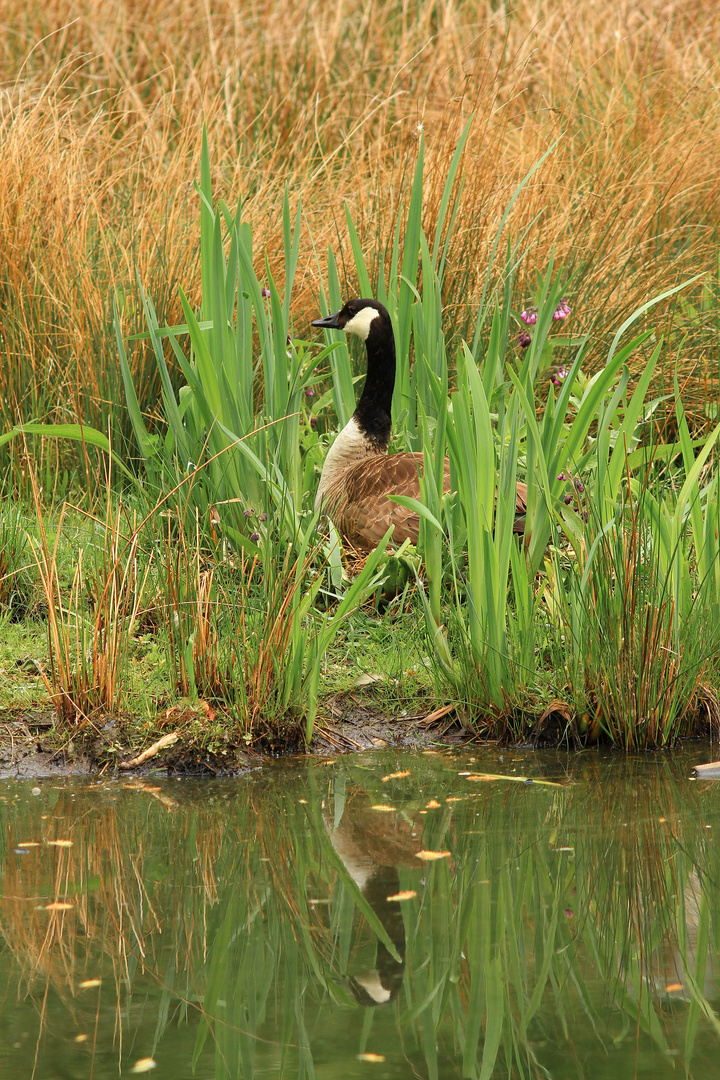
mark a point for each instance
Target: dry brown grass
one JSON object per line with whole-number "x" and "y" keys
{"x": 101, "y": 106}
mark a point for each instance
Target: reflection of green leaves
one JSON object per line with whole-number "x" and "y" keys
{"x": 512, "y": 947}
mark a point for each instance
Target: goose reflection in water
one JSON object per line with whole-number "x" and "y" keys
{"x": 371, "y": 847}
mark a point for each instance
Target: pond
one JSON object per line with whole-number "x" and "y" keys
{"x": 443, "y": 914}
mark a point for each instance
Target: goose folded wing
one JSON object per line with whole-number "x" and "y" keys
{"x": 369, "y": 512}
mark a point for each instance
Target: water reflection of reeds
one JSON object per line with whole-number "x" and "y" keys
{"x": 247, "y": 926}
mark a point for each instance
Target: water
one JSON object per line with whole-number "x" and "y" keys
{"x": 289, "y": 923}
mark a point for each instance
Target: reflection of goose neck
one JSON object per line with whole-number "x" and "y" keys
{"x": 380, "y": 984}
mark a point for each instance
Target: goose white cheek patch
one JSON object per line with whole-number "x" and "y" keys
{"x": 360, "y": 323}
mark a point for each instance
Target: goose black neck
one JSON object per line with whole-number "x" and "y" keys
{"x": 373, "y": 412}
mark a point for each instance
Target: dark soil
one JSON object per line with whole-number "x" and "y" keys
{"x": 25, "y": 753}
{"x": 31, "y": 747}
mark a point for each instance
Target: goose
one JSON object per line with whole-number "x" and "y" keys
{"x": 358, "y": 474}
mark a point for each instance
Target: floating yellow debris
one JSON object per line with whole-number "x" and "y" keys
{"x": 672, "y": 987}
{"x": 395, "y": 776}
{"x": 59, "y": 905}
{"x": 529, "y": 780}
{"x": 88, "y": 984}
{"x": 81, "y": 1038}
{"x": 431, "y": 856}
{"x": 61, "y": 843}
{"x": 432, "y": 805}
{"x": 303, "y": 801}
{"x": 29, "y": 843}
{"x": 372, "y": 1058}
{"x": 143, "y": 1065}
{"x": 455, "y": 798}
{"x": 662, "y": 821}
{"x": 383, "y": 809}
{"x": 407, "y": 895}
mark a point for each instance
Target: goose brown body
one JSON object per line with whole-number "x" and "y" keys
{"x": 359, "y": 475}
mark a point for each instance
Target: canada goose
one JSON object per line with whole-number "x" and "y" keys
{"x": 358, "y": 473}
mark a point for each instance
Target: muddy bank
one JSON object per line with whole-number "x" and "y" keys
{"x": 25, "y": 753}
{"x": 31, "y": 747}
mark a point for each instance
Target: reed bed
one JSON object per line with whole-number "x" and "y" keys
{"x": 101, "y": 106}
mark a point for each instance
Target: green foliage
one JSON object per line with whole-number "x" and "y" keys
{"x": 233, "y": 431}
{"x": 579, "y": 440}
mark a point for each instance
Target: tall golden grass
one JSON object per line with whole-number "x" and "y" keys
{"x": 102, "y": 103}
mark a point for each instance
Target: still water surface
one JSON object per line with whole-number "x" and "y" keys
{"x": 385, "y": 915}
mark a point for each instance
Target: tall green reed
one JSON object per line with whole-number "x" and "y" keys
{"x": 239, "y": 412}
{"x": 505, "y": 413}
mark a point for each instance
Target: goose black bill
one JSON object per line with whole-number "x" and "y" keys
{"x": 329, "y": 322}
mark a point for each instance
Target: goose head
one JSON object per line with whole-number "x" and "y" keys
{"x": 370, "y": 321}
{"x": 361, "y": 317}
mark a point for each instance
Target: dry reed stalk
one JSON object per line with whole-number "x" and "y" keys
{"x": 88, "y": 650}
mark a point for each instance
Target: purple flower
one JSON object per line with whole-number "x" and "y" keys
{"x": 562, "y": 310}
{"x": 254, "y": 536}
{"x": 309, "y": 392}
{"x": 265, "y": 292}
{"x": 562, "y": 476}
{"x": 524, "y": 339}
{"x": 247, "y": 513}
{"x": 529, "y": 316}
{"x": 568, "y": 500}
{"x": 263, "y": 517}
{"x": 561, "y": 373}
{"x": 578, "y": 486}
